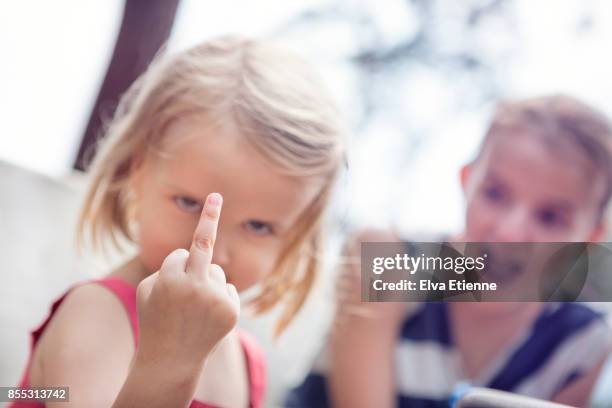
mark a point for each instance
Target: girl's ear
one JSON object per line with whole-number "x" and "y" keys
{"x": 464, "y": 175}
{"x": 600, "y": 232}
{"x": 135, "y": 176}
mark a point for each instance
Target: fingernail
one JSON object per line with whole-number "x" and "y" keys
{"x": 214, "y": 199}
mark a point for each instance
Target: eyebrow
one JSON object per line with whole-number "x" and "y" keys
{"x": 182, "y": 189}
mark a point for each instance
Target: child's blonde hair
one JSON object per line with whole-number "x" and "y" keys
{"x": 560, "y": 120}
{"x": 280, "y": 106}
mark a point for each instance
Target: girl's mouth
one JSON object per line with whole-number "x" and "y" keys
{"x": 505, "y": 264}
{"x": 503, "y": 271}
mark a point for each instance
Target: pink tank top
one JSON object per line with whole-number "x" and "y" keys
{"x": 127, "y": 295}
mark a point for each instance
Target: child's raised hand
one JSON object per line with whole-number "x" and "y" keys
{"x": 187, "y": 307}
{"x": 350, "y": 309}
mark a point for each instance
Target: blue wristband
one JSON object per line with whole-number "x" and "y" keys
{"x": 461, "y": 389}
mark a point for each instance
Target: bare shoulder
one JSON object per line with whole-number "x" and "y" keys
{"x": 88, "y": 345}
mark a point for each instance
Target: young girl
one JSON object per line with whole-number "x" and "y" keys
{"x": 242, "y": 118}
{"x": 543, "y": 174}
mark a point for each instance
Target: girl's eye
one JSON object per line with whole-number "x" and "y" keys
{"x": 494, "y": 194}
{"x": 188, "y": 204}
{"x": 550, "y": 218}
{"x": 258, "y": 227}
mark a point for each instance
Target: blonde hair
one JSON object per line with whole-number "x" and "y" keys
{"x": 560, "y": 119}
{"x": 280, "y": 106}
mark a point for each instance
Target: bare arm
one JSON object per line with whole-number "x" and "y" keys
{"x": 155, "y": 385}
{"x": 363, "y": 338}
{"x": 88, "y": 347}
{"x": 361, "y": 366}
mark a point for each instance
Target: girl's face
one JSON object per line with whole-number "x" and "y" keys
{"x": 260, "y": 205}
{"x": 521, "y": 190}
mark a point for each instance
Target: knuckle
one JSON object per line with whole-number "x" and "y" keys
{"x": 216, "y": 269}
{"x": 232, "y": 317}
{"x": 180, "y": 253}
{"x": 210, "y": 213}
{"x": 174, "y": 257}
{"x": 204, "y": 243}
{"x": 141, "y": 292}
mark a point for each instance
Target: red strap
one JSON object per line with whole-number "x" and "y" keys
{"x": 122, "y": 289}
{"x": 256, "y": 363}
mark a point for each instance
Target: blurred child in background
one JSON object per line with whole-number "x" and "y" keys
{"x": 543, "y": 174}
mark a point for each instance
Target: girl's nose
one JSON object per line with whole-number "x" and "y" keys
{"x": 221, "y": 253}
{"x": 513, "y": 226}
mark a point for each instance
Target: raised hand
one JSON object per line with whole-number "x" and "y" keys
{"x": 187, "y": 307}
{"x": 184, "y": 310}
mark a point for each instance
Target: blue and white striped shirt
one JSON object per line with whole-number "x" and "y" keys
{"x": 564, "y": 342}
